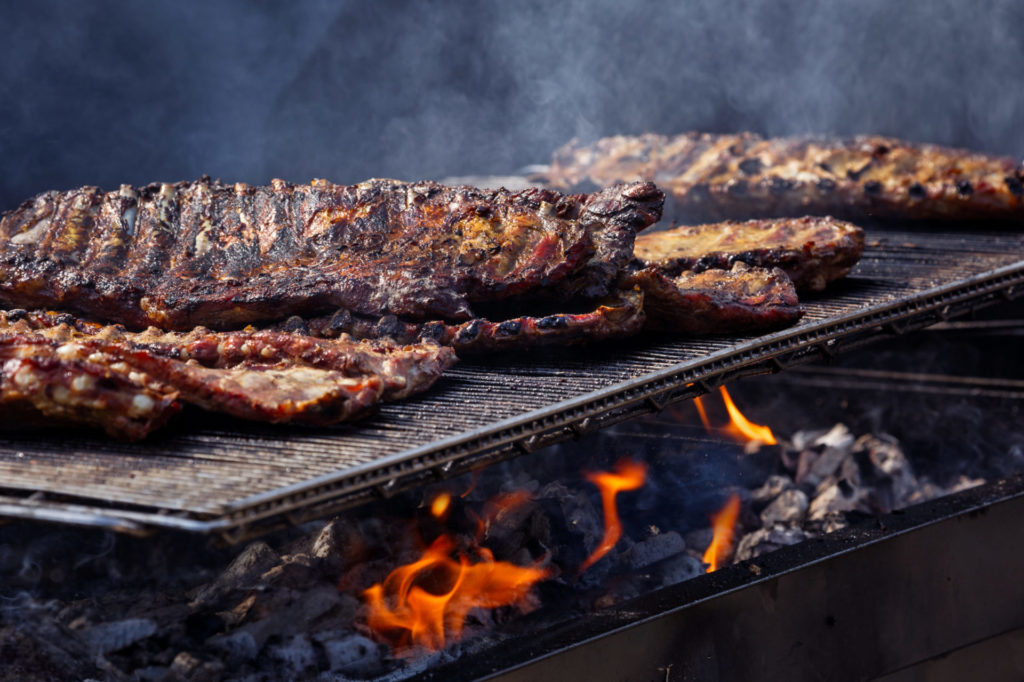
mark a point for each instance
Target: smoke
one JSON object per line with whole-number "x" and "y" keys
{"x": 110, "y": 92}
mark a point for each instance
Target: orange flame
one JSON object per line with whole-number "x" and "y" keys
{"x": 426, "y": 602}
{"x": 740, "y": 427}
{"x": 723, "y": 524}
{"x": 703, "y": 413}
{"x": 628, "y": 475}
{"x": 440, "y": 504}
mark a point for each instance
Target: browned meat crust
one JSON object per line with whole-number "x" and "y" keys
{"x": 130, "y": 383}
{"x": 717, "y": 177}
{"x": 184, "y": 254}
{"x": 811, "y": 251}
{"x": 617, "y": 316}
{"x": 742, "y": 299}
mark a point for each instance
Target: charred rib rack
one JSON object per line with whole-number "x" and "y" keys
{"x": 202, "y": 253}
{"x": 718, "y": 177}
{"x": 811, "y": 251}
{"x": 55, "y": 369}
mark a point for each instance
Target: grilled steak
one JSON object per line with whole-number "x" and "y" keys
{"x": 616, "y": 316}
{"x": 717, "y": 177}
{"x": 811, "y": 251}
{"x": 179, "y": 255}
{"x": 129, "y": 383}
{"x": 742, "y": 299}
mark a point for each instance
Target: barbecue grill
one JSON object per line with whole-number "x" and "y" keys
{"x": 238, "y": 480}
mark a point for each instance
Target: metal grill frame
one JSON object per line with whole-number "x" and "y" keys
{"x": 323, "y": 495}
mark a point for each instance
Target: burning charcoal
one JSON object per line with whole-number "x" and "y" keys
{"x": 766, "y": 540}
{"x": 837, "y": 495}
{"x": 788, "y": 508}
{"x": 237, "y": 647}
{"x": 888, "y": 459}
{"x": 187, "y": 667}
{"x": 803, "y": 440}
{"x": 185, "y": 664}
{"x": 285, "y": 612}
{"x": 295, "y": 571}
{"x": 41, "y": 650}
{"x": 241, "y": 574}
{"x": 772, "y": 488}
{"x": 581, "y": 518}
{"x": 830, "y": 522}
{"x": 296, "y": 654}
{"x": 653, "y": 549}
{"x": 107, "y": 637}
{"x": 825, "y": 455}
{"x": 678, "y": 568}
{"x": 151, "y": 673}
{"x": 348, "y": 653}
{"x": 329, "y": 546}
{"x": 698, "y": 540}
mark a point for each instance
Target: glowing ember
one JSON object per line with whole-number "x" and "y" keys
{"x": 498, "y": 506}
{"x": 628, "y": 475}
{"x": 723, "y": 524}
{"x": 699, "y": 403}
{"x": 439, "y": 506}
{"x": 425, "y": 603}
{"x": 740, "y": 427}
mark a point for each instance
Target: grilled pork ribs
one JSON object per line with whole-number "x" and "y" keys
{"x": 811, "y": 251}
{"x": 202, "y": 253}
{"x": 719, "y": 177}
{"x": 55, "y": 368}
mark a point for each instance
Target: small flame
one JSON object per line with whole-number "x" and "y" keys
{"x": 440, "y": 504}
{"x": 472, "y": 483}
{"x": 703, "y": 413}
{"x": 740, "y": 427}
{"x": 498, "y": 506}
{"x": 723, "y": 523}
{"x": 628, "y": 475}
{"x": 426, "y": 602}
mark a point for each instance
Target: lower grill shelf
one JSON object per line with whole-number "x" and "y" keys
{"x": 215, "y": 475}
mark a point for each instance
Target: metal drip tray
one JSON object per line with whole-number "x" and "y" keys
{"x": 211, "y": 474}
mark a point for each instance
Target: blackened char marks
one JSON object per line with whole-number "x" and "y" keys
{"x": 178, "y": 255}
{"x": 715, "y": 177}
{"x": 619, "y": 315}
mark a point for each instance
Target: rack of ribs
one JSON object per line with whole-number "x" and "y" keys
{"x": 55, "y": 368}
{"x": 180, "y": 255}
{"x": 811, "y": 251}
{"x": 719, "y": 177}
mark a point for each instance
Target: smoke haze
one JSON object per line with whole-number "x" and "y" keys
{"x": 105, "y": 92}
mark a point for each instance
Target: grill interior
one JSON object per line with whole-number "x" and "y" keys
{"x": 213, "y": 474}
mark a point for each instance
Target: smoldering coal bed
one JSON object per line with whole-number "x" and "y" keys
{"x": 882, "y": 430}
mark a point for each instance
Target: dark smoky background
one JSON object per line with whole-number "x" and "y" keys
{"x": 111, "y": 92}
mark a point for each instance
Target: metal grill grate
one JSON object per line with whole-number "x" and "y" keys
{"x": 213, "y": 474}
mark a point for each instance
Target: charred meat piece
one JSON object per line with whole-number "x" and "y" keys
{"x": 129, "y": 383}
{"x": 202, "y": 253}
{"x": 811, "y": 251}
{"x": 743, "y": 299}
{"x": 617, "y": 316}
{"x": 717, "y": 177}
